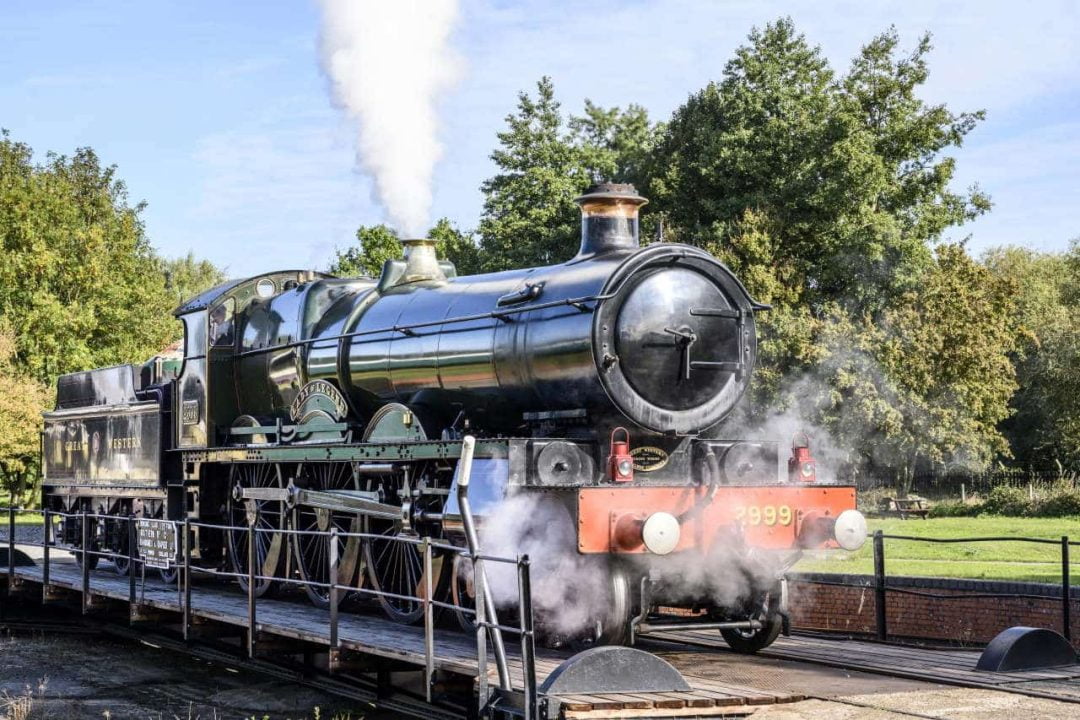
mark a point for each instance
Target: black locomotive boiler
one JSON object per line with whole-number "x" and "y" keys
{"x": 595, "y": 388}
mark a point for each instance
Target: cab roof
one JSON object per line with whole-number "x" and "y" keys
{"x": 208, "y": 297}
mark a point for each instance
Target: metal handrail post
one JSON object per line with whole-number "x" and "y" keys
{"x": 45, "y": 562}
{"x": 133, "y": 541}
{"x": 187, "y": 578}
{"x": 1066, "y": 601}
{"x": 879, "y": 586}
{"x": 528, "y": 640}
{"x": 251, "y": 586}
{"x": 429, "y": 621}
{"x": 85, "y": 562}
{"x": 481, "y": 640}
{"x": 485, "y": 598}
{"x": 334, "y": 562}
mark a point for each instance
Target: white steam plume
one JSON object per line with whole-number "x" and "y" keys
{"x": 388, "y": 61}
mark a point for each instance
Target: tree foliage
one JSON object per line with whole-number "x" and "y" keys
{"x": 544, "y": 161}
{"x": 1045, "y": 426}
{"x": 844, "y": 173}
{"x": 187, "y": 276}
{"x": 80, "y": 285}
{"x": 22, "y": 400}
{"x": 930, "y": 380}
{"x": 826, "y": 193}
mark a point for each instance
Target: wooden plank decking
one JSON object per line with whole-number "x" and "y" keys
{"x": 455, "y": 652}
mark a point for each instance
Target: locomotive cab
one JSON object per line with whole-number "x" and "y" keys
{"x": 214, "y": 322}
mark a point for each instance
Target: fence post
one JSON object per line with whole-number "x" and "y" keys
{"x": 879, "y": 585}
{"x": 251, "y": 585}
{"x": 333, "y": 590}
{"x": 187, "y": 577}
{"x": 528, "y": 643}
{"x": 1066, "y": 601}
{"x": 85, "y": 562}
{"x": 429, "y": 620}
{"x": 963, "y": 493}
{"x": 45, "y": 555}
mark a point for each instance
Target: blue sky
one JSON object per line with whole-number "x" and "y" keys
{"x": 218, "y": 116}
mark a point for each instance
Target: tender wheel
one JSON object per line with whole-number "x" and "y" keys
{"x": 74, "y": 530}
{"x": 270, "y": 547}
{"x": 312, "y": 552}
{"x": 118, "y": 531}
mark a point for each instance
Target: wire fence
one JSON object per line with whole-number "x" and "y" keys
{"x": 956, "y": 483}
{"x": 91, "y": 531}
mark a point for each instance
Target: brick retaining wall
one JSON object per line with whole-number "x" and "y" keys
{"x": 818, "y": 605}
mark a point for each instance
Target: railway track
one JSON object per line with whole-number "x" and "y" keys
{"x": 943, "y": 666}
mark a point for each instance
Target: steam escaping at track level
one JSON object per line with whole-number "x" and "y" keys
{"x": 387, "y": 63}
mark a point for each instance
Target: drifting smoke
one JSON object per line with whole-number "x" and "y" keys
{"x": 388, "y": 61}
{"x": 569, "y": 590}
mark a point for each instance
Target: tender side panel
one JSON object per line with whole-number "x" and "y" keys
{"x": 769, "y": 516}
{"x": 118, "y": 445}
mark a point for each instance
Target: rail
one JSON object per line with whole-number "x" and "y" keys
{"x": 882, "y": 588}
{"x": 91, "y": 528}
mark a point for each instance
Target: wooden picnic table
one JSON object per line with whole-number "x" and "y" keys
{"x": 907, "y": 506}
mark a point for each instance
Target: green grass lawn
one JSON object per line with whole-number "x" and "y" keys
{"x": 985, "y": 560}
{"x": 34, "y": 518}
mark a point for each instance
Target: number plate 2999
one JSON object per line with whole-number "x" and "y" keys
{"x": 764, "y": 514}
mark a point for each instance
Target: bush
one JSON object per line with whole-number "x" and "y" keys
{"x": 1062, "y": 502}
{"x": 955, "y": 509}
{"x": 1008, "y": 500}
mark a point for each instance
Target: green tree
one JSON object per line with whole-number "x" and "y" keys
{"x": 187, "y": 276}
{"x": 615, "y": 144}
{"x": 22, "y": 400}
{"x": 456, "y": 246}
{"x": 80, "y": 285}
{"x": 826, "y": 194}
{"x": 929, "y": 381}
{"x": 545, "y": 161}
{"x": 845, "y": 173}
{"x": 529, "y": 213}
{"x": 1045, "y": 425}
{"x": 376, "y": 245}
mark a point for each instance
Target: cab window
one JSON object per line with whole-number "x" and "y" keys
{"x": 221, "y": 324}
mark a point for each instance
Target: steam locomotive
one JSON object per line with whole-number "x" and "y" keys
{"x": 595, "y": 390}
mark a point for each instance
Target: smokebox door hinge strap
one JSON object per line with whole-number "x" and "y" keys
{"x": 718, "y": 312}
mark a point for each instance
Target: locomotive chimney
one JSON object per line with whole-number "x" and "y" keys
{"x": 421, "y": 262}
{"x": 609, "y": 218}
